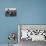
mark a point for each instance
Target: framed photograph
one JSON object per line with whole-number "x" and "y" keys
{"x": 10, "y": 11}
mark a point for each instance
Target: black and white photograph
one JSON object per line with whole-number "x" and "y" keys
{"x": 10, "y": 11}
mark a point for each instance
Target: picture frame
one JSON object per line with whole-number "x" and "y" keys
{"x": 10, "y": 11}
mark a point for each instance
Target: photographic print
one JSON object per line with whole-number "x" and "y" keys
{"x": 10, "y": 11}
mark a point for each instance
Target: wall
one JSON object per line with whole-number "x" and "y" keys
{"x": 28, "y": 12}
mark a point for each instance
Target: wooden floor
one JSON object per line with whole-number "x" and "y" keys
{"x": 30, "y": 43}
